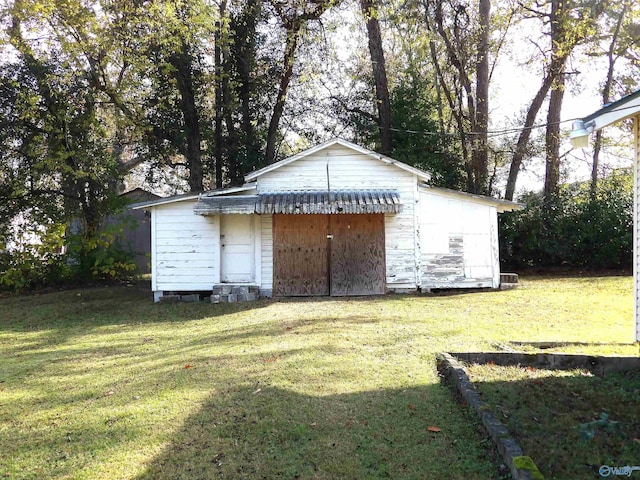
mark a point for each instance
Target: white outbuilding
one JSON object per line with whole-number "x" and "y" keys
{"x": 336, "y": 219}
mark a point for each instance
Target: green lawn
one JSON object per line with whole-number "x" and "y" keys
{"x": 102, "y": 383}
{"x": 545, "y": 409}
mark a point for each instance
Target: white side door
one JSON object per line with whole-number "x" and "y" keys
{"x": 237, "y": 249}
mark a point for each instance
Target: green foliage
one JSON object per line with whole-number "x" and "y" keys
{"x": 50, "y": 257}
{"x": 417, "y": 138}
{"x": 414, "y": 111}
{"x": 101, "y": 256}
{"x": 34, "y": 264}
{"x": 589, "y": 430}
{"x": 572, "y": 230}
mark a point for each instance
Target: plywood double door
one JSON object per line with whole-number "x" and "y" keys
{"x": 328, "y": 255}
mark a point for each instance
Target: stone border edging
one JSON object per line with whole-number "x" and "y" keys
{"x": 521, "y": 467}
{"x": 599, "y": 365}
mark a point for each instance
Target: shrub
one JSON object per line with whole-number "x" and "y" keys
{"x": 572, "y": 230}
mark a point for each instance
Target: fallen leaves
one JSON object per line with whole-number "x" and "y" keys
{"x": 434, "y": 429}
{"x": 188, "y": 366}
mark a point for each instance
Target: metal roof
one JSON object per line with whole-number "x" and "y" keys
{"x": 302, "y": 202}
{"x": 334, "y": 202}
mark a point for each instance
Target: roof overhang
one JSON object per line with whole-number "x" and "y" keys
{"x": 334, "y": 202}
{"x": 500, "y": 204}
{"x": 192, "y": 196}
{"x": 302, "y": 202}
{"x": 224, "y": 205}
{"x": 626, "y": 107}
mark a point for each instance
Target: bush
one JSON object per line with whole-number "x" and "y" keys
{"x": 572, "y": 230}
{"x": 40, "y": 261}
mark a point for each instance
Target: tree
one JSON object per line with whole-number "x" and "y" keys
{"x": 370, "y": 11}
{"x": 623, "y": 47}
{"x": 570, "y": 23}
{"x": 463, "y": 68}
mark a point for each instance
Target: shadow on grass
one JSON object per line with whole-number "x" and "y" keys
{"x": 544, "y": 413}
{"x": 274, "y": 433}
{"x": 105, "y": 305}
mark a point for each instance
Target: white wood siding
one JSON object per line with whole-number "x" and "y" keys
{"x": 458, "y": 243}
{"x": 186, "y": 248}
{"x": 266, "y": 227}
{"x": 352, "y": 170}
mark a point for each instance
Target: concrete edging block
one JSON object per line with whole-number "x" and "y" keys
{"x": 521, "y": 467}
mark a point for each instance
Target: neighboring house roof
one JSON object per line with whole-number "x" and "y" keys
{"x": 139, "y": 195}
{"x": 626, "y": 107}
{"x": 501, "y": 205}
{"x": 337, "y": 141}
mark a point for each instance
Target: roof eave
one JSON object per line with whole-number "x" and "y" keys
{"x": 501, "y": 205}
{"x": 617, "y": 111}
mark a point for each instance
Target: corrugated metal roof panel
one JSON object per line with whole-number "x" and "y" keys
{"x": 334, "y": 202}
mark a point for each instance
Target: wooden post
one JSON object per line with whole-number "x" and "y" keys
{"x": 636, "y": 223}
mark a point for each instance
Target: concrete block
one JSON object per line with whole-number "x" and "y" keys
{"x": 225, "y": 289}
{"x": 508, "y": 278}
{"x": 252, "y": 296}
{"x": 232, "y": 298}
{"x": 242, "y": 297}
{"x": 169, "y": 299}
{"x": 215, "y": 298}
{"x": 254, "y": 289}
{"x": 191, "y": 298}
{"x": 216, "y": 290}
{"x": 240, "y": 290}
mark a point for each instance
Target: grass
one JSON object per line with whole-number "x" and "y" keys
{"x": 102, "y": 383}
{"x": 557, "y": 416}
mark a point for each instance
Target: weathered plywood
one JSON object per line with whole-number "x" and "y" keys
{"x": 300, "y": 256}
{"x": 357, "y": 254}
{"x": 341, "y": 168}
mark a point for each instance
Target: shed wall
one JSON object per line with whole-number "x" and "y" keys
{"x": 347, "y": 170}
{"x": 458, "y": 243}
{"x": 186, "y": 248}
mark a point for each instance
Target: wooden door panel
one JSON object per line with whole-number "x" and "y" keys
{"x": 300, "y": 255}
{"x": 357, "y": 255}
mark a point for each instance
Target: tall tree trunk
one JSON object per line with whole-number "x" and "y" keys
{"x": 370, "y": 12}
{"x": 480, "y": 153}
{"x": 219, "y": 104}
{"x": 552, "y": 135}
{"x": 552, "y": 140}
{"x": 182, "y": 61}
{"x": 245, "y": 29}
{"x": 523, "y": 139}
{"x": 293, "y": 36}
